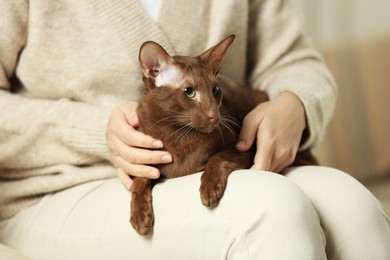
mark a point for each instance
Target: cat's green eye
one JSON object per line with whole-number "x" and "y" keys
{"x": 216, "y": 90}
{"x": 190, "y": 92}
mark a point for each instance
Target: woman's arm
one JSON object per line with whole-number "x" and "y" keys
{"x": 38, "y": 132}
{"x": 282, "y": 59}
{"x": 301, "y": 89}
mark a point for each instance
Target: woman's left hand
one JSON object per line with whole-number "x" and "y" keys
{"x": 277, "y": 126}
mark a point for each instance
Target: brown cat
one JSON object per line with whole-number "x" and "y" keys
{"x": 198, "y": 117}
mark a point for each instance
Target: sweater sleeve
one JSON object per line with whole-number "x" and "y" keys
{"x": 40, "y": 132}
{"x": 280, "y": 59}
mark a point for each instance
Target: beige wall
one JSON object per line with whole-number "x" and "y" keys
{"x": 331, "y": 22}
{"x": 354, "y": 37}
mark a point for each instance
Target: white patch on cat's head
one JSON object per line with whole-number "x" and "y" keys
{"x": 171, "y": 76}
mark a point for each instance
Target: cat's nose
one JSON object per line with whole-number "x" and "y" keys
{"x": 214, "y": 118}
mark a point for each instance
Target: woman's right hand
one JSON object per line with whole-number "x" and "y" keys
{"x": 132, "y": 152}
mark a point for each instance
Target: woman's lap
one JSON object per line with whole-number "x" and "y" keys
{"x": 260, "y": 214}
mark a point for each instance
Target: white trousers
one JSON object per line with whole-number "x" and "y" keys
{"x": 311, "y": 213}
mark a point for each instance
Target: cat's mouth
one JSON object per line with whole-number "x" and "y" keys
{"x": 210, "y": 123}
{"x": 211, "y": 126}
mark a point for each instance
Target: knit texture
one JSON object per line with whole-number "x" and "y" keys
{"x": 64, "y": 66}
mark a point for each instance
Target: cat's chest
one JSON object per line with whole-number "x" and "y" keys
{"x": 184, "y": 165}
{"x": 195, "y": 145}
{"x": 189, "y": 156}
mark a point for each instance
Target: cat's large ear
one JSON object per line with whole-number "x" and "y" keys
{"x": 213, "y": 56}
{"x": 153, "y": 59}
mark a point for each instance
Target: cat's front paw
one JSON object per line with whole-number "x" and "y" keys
{"x": 211, "y": 190}
{"x": 141, "y": 208}
{"x": 142, "y": 220}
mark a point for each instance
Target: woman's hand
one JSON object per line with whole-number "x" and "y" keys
{"x": 277, "y": 126}
{"x": 132, "y": 152}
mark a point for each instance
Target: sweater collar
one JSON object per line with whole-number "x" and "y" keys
{"x": 130, "y": 22}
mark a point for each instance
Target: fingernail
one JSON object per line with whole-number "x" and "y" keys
{"x": 166, "y": 158}
{"x": 157, "y": 144}
{"x": 153, "y": 173}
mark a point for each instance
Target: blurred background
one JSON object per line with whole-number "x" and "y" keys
{"x": 354, "y": 38}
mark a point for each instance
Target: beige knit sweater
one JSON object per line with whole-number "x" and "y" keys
{"x": 65, "y": 64}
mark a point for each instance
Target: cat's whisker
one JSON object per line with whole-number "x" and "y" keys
{"x": 223, "y": 139}
{"x": 165, "y": 126}
{"x": 229, "y": 122}
{"x": 177, "y": 115}
{"x": 173, "y": 120}
{"x": 177, "y": 131}
{"x": 230, "y": 130}
{"x": 229, "y": 119}
{"x": 187, "y": 127}
{"x": 164, "y": 119}
{"x": 172, "y": 111}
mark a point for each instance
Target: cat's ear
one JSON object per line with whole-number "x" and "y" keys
{"x": 213, "y": 56}
{"x": 153, "y": 59}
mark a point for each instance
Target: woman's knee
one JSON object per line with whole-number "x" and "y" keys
{"x": 334, "y": 190}
{"x": 352, "y": 218}
{"x": 272, "y": 208}
{"x": 265, "y": 191}
{"x": 276, "y": 196}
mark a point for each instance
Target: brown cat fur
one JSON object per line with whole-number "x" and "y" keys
{"x": 199, "y": 131}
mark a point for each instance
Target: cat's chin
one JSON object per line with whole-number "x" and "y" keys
{"x": 208, "y": 129}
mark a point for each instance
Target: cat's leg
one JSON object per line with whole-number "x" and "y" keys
{"x": 141, "y": 215}
{"x": 218, "y": 168}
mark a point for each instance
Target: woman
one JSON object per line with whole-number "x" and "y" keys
{"x": 69, "y": 84}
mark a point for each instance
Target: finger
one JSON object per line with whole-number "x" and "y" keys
{"x": 133, "y": 120}
{"x": 264, "y": 154}
{"x": 141, "y": 156}
{"x": 132, "y": 137}
{"x": 262, "y": 162}
{"x": 248, "y": 133}
{"x": 277, "y": 164}
{"x": 279, "y": 167}
{"x": 137, "y": 170}
{"x": 283, "y": 160}
{"x": 124, "y": 178}
{"x": 129, "y": 110}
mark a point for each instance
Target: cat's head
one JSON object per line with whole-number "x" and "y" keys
{"x": 184, "y": 87}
